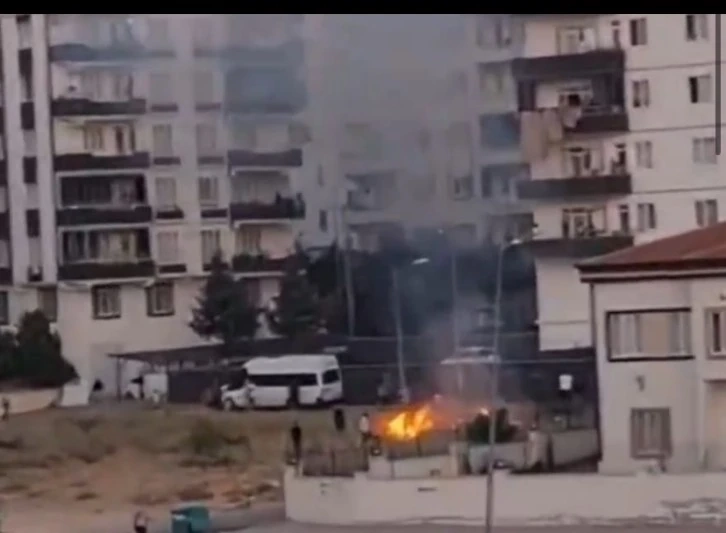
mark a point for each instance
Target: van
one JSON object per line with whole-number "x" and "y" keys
{"x": 268, "y": 381}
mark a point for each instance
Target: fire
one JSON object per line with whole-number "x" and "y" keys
{"x": 409, "y": 425}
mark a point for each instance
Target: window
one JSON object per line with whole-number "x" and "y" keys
{"x": 615, "y": 27}
{"x": 165, "y": 192}
{"x": 624, "y": 218}
{"x": 650, "y": 433}
{"x": 162, "y": 145}
{"x": 167, "y": 247}
{"x": 646, "y": 217}
{"x": 4, "y": 308}
{"x": 48, "y": 302}
{"x": 706, "y": 212}
{"x": 160, "y": 299}
{"x": 206, "y": 135}
{"x": 499, "y": 131}
{"x": 638, "y": 32}
{"x": 92, "y": 138}
{"x": 493, "y": 31}
{"x": 248, "y": 240}
{"x": 704, "y": 150}
{"x": 644, "y": 154}
{"x": 649, "y": 334}
{"x": 208, "y": 191}
{"x": 323, "y": 220}
{"x": 492, "y": 79}
{"x": 576, "y": 40}
{"x": 331, "y": 376}
{"x": 105, "y": 245}
{"x": 299, "y": 134}
{"x": 211, "y": 245}
{"x": 697, "y": 27}
{"x": 106, "y": 301}
{"x": 204, "y": 86}
{"x": 583, "y": 222}
{"x": 122, "y": 86}
{"x": 641, "y": 93}
{"x": 716, "y": 332}
{"x": 700, "y": 88}
{"x": 463, "y": 188}
{"x": 203, "y": 33}
{"x": 160, "y": 88}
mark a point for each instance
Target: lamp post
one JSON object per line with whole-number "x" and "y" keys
{"x": 494, "y": 387}
{"x": 403, "y": 391}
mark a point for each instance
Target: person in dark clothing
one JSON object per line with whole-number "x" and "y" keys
{"x": 296, "y": 439}
{"x": 6, "y": 408}
{"x": 294, "y": 394}
{"x": 339, "y": 420}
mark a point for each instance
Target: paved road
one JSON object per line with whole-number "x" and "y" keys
{"x": 299, "y": 528}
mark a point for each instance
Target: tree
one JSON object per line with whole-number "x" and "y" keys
{"x": 296, "y": 309}
{"x": 38, "y": 359}
{"x": 224, "y": 311}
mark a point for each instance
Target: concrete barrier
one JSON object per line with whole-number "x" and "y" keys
{"x": 27, "y": 401}
{"x": 520, "y": 500}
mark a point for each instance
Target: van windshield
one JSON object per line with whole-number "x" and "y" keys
{"x": 331, "y": 376}
{"x": 283, "y": 380}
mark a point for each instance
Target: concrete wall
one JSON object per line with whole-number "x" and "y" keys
{"x": 519, "y": 501}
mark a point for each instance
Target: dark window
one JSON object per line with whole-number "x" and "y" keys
{"x": 48, "y": 302}
{"x": 499, "y": 131}
{"x": 331, "y": 376}
{"x": 283, "y": 380}
{"x": 106, "y": 300}
{"x": 160, "y": 299}
{"x": 4, "y": 308}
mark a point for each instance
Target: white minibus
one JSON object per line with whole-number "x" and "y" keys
{"x": 268, "y": 382}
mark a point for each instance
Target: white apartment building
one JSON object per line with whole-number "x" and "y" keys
{"x": 617, "y": 123}
{"x": 135, "y": 148}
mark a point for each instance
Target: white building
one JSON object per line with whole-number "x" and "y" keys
{"x": 137, "y": 146}
{"x": 659, "y": 329}
{"x": 617, "y": 123}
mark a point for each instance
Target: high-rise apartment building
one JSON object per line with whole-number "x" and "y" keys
{"x": 135, "y": 147}
{"x": 617, "y": 123}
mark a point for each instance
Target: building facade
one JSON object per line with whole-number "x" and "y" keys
{"x": 617, "y": 115}
{"x": 135, "y": 148}
{"x": 659, "y": 325}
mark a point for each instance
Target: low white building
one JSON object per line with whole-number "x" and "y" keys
{"x": 659, "y": 325}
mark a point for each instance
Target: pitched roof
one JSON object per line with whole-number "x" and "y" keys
{"x": 697, "y": 249}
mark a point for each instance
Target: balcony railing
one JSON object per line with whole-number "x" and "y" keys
{"x": 281, "y": 208}
{"x": 106, "y": 214}
{"x": 596, "y": 62}
{"x": 78, "y": 51}
{"x": 285, "y": 158}
{"x": 580, "y": 245}
{"x": 249, "y": 263}
{"x": 68, "y": 107}
{"x": 86, "y": 161}
{"x": 601, "y": 119}
{"x": 118, "y": 269}
{"x": 616, "y": 181}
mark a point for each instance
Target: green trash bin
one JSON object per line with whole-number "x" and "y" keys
{"x": 191, "y": 519}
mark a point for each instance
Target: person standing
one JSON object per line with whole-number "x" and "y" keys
{"x": 141, "y": 522}
{"x": 296, "y": 440}
{"x": 364, "y": 428}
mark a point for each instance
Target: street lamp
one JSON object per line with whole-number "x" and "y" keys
{"x": 403, "y": 391}
{"x": 494, "y": 376}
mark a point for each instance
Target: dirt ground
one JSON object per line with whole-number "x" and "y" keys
{"x": 67, "y": 470}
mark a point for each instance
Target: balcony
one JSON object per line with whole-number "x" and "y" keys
{"x": 80, "y": 215}
{"x": 290, "y": 53}
{"x": 85, "y": 161}
{"x": 83, "y": 52}
{"x": 601, "y": 119}
{"x": 287, "y": 158}
{"x": 579, "y": 247}
{"x": 280, "y": 209}
{"x": 73, "y": 107}
{"x": 594, "y": 63}
{"x": 141, "y": 268}
{"x": 260, "y": 263}
{"x": 609, "y": 184}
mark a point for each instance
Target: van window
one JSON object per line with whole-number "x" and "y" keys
{"x": 283, "y": 380}
{"x": 331, "y": 376}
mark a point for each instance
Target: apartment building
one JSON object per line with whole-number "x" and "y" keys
{"x": 135, "y": 148}
{"x": 617, "y": 115}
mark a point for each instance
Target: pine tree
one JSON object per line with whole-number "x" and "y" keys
{"x": 296, "y": 309}
{"x": 38, "y": 353}
{"x": 223, "y": 310}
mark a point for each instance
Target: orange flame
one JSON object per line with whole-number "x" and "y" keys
{"x": 409, "y": 425}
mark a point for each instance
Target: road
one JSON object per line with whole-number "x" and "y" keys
{"x": 299, "y": 528}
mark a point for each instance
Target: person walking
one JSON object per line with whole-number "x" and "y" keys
{"x": 364, "y": 428}
{"x": 296, "y": 440}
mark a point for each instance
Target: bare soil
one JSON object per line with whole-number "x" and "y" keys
{"x": 71, "y": 469}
